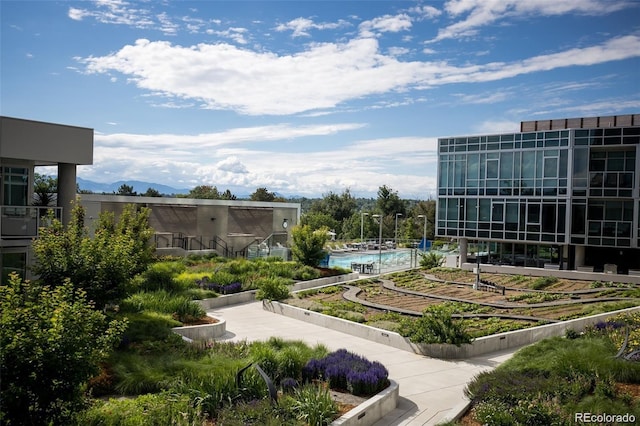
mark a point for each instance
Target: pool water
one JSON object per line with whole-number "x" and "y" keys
{"x": 393, "y": 257}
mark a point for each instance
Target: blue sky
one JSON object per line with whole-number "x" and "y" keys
{"x": 308, "y": 97}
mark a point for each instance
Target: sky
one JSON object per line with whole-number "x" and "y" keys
{"x": 308, "y": 98}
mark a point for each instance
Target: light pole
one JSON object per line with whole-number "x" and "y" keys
{"x": 424, "y": 232}
{"x": 396, "y": 239}
{"x": 362, "y": 215}
{"x": 379, "y": 243}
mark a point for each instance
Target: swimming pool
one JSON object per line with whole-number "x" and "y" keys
{"x": 392, "y": 258}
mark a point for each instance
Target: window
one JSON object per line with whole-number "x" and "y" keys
{"x": 13, "y": 262}
{"x": 15, "y": 186}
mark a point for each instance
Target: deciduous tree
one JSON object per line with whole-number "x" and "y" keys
{"x": 102, "y": 265}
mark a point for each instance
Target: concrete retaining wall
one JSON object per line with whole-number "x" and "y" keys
{"x": 204, "y": 331}
{"x": 372, "y": 409}
{"x": 480, "y": 346}
{"x": 586, "y": 275}
{"x": 250, "y": 296}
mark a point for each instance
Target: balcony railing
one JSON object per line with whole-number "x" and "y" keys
{"x": 25, "y": 221}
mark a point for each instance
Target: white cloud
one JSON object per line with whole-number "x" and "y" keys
{"x": 497, "y": 126}
{"x": 300, "y": 27}
{"x": 222, "y": 76}
{"x": 223, "y": 160}
{"x": 386, "y": 23}
{"x": 480, "y": 13}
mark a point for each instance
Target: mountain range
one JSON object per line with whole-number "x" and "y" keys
{"x": 138, "y": 186}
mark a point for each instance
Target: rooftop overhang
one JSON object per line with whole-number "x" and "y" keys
{"x": 45, "y": 143}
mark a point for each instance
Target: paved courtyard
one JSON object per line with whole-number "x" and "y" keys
{"x": 429, "y": 388}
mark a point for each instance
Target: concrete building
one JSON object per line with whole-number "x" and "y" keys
{"x": 25, "y": 144}
{"x": 230, "y": 228}
{"x": 560, "y": 194}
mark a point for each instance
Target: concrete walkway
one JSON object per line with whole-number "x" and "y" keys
{"x": 429, "y": 388}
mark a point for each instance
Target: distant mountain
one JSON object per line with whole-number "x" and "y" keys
{"x": 138, "y": 186}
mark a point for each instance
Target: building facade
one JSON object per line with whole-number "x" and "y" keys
{"x": 561, "y": 194}
{"x": 25, "y": 144}
{"x": 230, "y": 228}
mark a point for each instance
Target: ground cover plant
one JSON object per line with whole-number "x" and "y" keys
{"x": 199, "y": 384}
{"x": 548, "y": 382}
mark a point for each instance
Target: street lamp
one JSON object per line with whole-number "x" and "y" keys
{"x": 379, "y": 217}
{"x": 396, "y": 239}
{"x": 362, "y": 215}
{"x": 424, "y": 232}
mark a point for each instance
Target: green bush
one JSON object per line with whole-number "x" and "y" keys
{"x": 273, "y": 288}
{"x": 431, "y": 260}
{"x": 543, "y": 282}
{"x": 161, "y": 276}
{"x": 51, "y": 343}
{"x": 436, "y": 326}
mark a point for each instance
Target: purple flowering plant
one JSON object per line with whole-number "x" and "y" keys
{"x": 205, "y": 284}
{"x": 347, "y": 371}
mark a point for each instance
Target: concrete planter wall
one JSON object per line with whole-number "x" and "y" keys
{"x": 480, "y": 346}
{"x": 582, "y": 273}
{"x": 373, "y": 409}
{"x": 250, "y": 296}
{"x": 202, "y": 332}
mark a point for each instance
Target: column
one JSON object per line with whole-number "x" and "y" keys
{"x": 66, "y": 189}
{"x": 579, "y": 256}
{"x": 462, "y": 245}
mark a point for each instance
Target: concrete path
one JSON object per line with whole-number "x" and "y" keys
{"x": 429, "y": 388}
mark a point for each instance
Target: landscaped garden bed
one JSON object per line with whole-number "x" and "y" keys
{"x": 393, "y": 301}
{"x": 558, "y": 379}
{"x": 198, "y": 382}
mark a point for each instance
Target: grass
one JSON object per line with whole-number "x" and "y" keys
{"x": 546, "y": 383}
{"x": 167, "y": 381}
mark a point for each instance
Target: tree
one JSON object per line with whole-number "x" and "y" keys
{"x": 101, "y": 266}
{"x": 227, "y": 195}
{"x": 426, "y": 208}
{"x": 389, "y": 203}
{"x": 317, "y": 220}
{"x": 152, "y": 192}
{"x": 308, "y": 244}
{"x": 340, "y": 207}
{"x": 261, "y": 194}
{"x": 126, "y": 190}
{"x": 51, "y": 343}
{"x": 206, "y": 192}
{"x": 45, "y": 190}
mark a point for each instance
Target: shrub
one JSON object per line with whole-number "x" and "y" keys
{"x": 347, "y": 371}
{"x": 431, "y": 260}
{"x": 273, "y": 288}
{"x": 230, "y": 288}
{"x": 306, "y": 273}
{"x": 161, "y": 276}
{"x": 51, "y": 343}
{"x": 308, "y": 245}
{"x": 435, "y": 326}
{"x": 543, "y": 282}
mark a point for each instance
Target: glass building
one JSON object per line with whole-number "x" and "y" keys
{"x": 560, "y": 194}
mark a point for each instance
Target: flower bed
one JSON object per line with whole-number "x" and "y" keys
{"x": 347, "y": 371}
